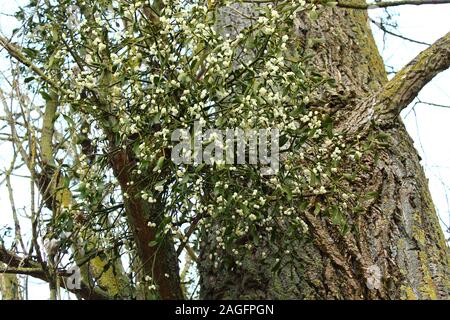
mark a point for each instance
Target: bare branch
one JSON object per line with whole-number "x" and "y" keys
{"x": 398, "y": 93}
{"x": 384, "y": 29}
{"x": 365, "y": 6}
{"x": 14, "y": 51}
{"x": 386, "y": 4}
{"x": 432, "y": 104}
{"x": 23, "y": 265}
{"x": 33, "y": 272}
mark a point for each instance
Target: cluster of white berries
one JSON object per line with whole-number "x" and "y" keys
{"x": 197, "y": 72}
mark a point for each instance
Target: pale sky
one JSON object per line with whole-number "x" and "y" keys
{"x": 429, "y": 126}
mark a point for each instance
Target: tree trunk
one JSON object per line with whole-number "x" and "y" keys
{"x": 395, "y": 248}
{"x": 9, "y": 286}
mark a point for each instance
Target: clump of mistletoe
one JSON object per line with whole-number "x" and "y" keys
{"x": 130, "y": 73}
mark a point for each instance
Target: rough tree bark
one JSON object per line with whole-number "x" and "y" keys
{"x": 9, "y": 286}
{"x": 395, "y": 249}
